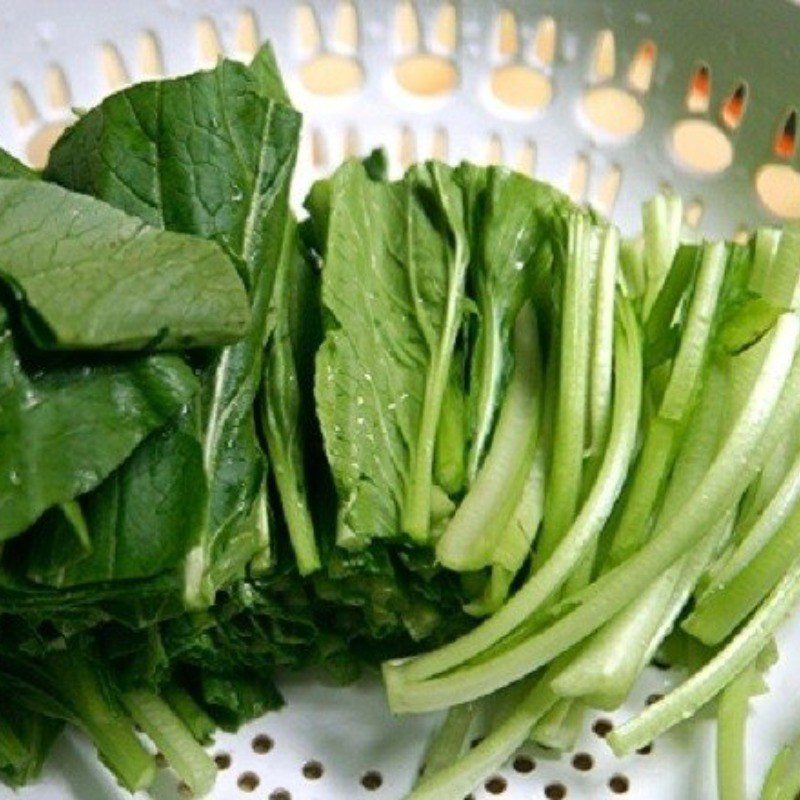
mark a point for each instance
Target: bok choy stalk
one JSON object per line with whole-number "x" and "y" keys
{"x": 407, "y": 682}
{"x": 665, "y": 429}
{"x": 573, "y": 340}
{"x": 477, "y": 528}
{"x": 578, "y": 616}
{"x": 732, "y": 725}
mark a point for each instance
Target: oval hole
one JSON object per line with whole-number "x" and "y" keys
{"x": 778, "y": 188}
{"x": 698, "y": 146}
{"x": 613, "y": 112}
{"x": 521, "y": 88}
{"x": 332, "y": 75}
{"x": 426, "y": 75}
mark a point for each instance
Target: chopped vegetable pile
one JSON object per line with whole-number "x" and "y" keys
{"x": 452, "y": 424}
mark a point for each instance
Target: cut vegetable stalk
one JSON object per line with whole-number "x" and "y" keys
{"x": 662, "y": 218}
{"x": 560, "y": 727}
{"x": 752, "y": 541}
{"x": 602, "y": 348}
{"x": 482, "y": 517}
{"x": 202, "y": 727}
{"x": 572, "y": 342}
{"x": 107, "y": 726}
{"x": 731, "y": 472}
{"x": 721, "y": 610}
{"x": 451, "y": 740}
{"x": 661, "y": 441}
{"x": 605, "y": 668}
{"x": 541, "y": 585}
{"x": 742, "y": 650}
{"x": 188, "y": 760}
{"x": 731, "y": 729}
{"x": 516, "y": 541}
{"x": 460, "y": 778}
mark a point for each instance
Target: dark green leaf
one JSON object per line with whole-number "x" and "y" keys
{"x": 128, "y": 285}
{"x": 62, "y": 432}
{"x": 209, "y": 154}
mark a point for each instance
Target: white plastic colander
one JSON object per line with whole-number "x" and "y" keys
{"x": 610, "y": 100}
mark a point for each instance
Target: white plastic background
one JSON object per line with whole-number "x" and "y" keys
{"x": 338, "y": 744}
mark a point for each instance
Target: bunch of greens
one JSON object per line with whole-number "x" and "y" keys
{"x": 668, "y": 513}
{"x": 452, "y": 418}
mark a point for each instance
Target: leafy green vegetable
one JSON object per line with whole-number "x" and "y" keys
{"x": 210, "y": 154}
{"x": 129, "y": 286}
{"x": 63, "y": 432}
{"x": 395, "y": 263}
{"x": 288, "y": 393}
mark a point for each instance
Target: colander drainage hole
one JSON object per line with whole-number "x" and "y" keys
{"x": 583, "y": 762}
{"x": 555, "y": 791}
{"x": 248, "y": 781}
{"x": 161, "y": 761}
{"x": 646, "y": 750}
{"x": 184, "y": 792}
{"x": 280, "y": 794}
{"x": 602, "y": 727}
{"x": 496, "y": 785}
{"x": 524, "y": 764}
{"x": 619, "y": 784}
{"x": 313, "y": 770}
{"x": 262, "y": 744}
{"x": 223, "y": 761}
{"x": 372, "y": 780}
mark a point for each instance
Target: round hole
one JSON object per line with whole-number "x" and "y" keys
{"x": 496, "y": 784}
{"x": 699, "y": 146}
{"x": 555, "y": 791}
{"x": 619, "y": 784}
{"x": 646, "y": 750}
{"x": 426, "y": 75}
{"x": 372, "y": 781}
{"x": 524, "y": 765}
{"x": 602, "y": 727}
{"x": 262, "y": 744}
{"x": 615, "y": 114}
{"x": 521, "y": 88}
{"x": 248, "y": 781}
{"x": 653, "y": 698}
{"x": 476, "y": 742}
{"x": 778, "y": 187}
{"x": 582, "y": 762}
{"x": 161, "y": 761}
{"x": 312, "y": 770}
{"x": 280, "y": 794}
{"x": 184, "y": 791}
{"x": 223, "y": 761}
{"x": 332, "y": 75}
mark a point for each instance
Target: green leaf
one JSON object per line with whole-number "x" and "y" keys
{"x": 209, "y": 154}
{"x": 287, "y": 411}
{"x": 56, "y": 541}
{"x": 10, "y": 167}
{"x": 128, "y": 285}
{"x": 64, "y": 431}
{"x": 395, "y": 262}
{"x": 160, "y": 488}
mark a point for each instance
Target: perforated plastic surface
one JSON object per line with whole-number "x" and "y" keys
{"x": 608, "y": 99}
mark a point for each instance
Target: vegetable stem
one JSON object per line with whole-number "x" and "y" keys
{"x": 705, "y": 684}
